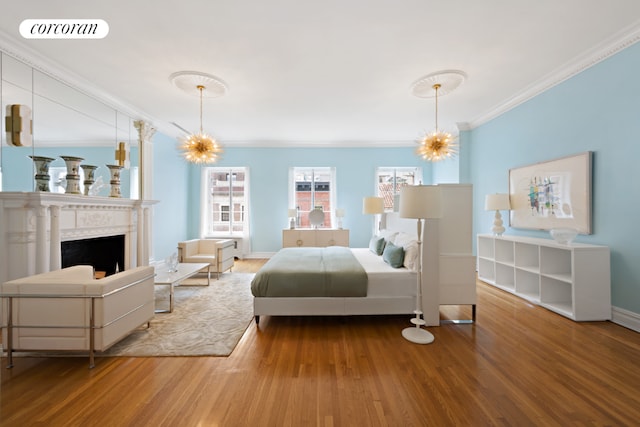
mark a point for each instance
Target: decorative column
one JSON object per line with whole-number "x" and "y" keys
{"x": 42, "y": 250}
{"x": 147, "y": 244}
{"x": 55, "y": 250}
{"x": 141, "y": 238}
{"x": 145, "y": 133}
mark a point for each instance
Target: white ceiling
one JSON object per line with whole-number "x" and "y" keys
{"x": 328, "y": 72}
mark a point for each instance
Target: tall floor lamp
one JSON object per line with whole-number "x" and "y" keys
{"x": 420, "y": 202}
{"x": 373, "y": 206}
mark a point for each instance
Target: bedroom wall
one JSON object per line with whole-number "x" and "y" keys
{"x": 269, "y": 171}
{"x": 597, "y": 110}
{"x": 170, "y": 189}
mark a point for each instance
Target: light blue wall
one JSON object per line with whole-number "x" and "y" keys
{"x": 269, "y": 172}
{"x": 171, "y": 190}
{"x": 597, "y": 110}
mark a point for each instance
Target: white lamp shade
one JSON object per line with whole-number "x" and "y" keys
{"x": 372, "y": 205}
{"x": 293, "y": 213}
{"x": 497, "y": 202}
{"x": 420, "y": 201}
{"x": 339, "y": 213}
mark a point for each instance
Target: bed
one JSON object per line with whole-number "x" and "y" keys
{"x": 387, "y": 290}
{"x": 447, "y": 276}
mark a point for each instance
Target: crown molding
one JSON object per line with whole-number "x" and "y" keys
{"x": 607, "y": 48}
{"x": 23, "y": 53}
{"x": 316, "y": 144}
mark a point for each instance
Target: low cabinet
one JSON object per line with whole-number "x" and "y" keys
{"x": 573, "y": 280}
{"x": 301, "y": 237}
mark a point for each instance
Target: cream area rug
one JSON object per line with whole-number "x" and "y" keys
{"x": 206, "y": 320}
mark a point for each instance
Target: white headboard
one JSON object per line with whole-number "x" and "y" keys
{"x": 391, "y": 221}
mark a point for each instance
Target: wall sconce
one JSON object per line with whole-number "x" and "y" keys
{"x": 122, "y": 155}
{"x": 19, "y": 125}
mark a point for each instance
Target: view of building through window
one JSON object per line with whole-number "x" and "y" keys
{"x": 389, "y": 181}
{"x": 313, "y": 188}
{"x": 225, "y": 211}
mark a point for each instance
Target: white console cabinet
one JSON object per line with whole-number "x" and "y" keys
{"x": 318, "y": 237}
{"x": 572, "y": 280}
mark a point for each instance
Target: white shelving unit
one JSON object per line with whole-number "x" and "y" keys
{"x": 572, "y": 280}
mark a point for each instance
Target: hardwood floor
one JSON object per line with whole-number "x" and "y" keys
{"x": 518, "y": 365}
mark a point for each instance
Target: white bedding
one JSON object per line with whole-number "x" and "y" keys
{"x": 384, "y": 280}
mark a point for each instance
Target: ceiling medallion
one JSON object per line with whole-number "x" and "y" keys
{"x": 200, "y": 147}
{"x": 188, "y": 81}
{"x": 437, "y": 145}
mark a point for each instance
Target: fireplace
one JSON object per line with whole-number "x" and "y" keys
{"x": 103, "y": 253}
{"x": 34, "y": 228}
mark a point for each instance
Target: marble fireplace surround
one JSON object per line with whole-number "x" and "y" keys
{"x": 34, "y": 224}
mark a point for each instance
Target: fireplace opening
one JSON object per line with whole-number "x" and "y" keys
{"x": 103, "y": 253}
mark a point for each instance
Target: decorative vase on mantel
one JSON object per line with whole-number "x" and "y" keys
{"x": 114, "y": 170}
{"x": 73, "y": 174}
{"x": 89, "y": 178}
{"x": 42, "y": 172}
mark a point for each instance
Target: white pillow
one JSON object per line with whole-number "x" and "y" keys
{"x": 402, "y": 239}
{"x": 388, "y": 235}
{"x": 411, "y": 253}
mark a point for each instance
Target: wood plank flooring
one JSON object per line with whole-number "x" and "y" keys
{"x": 519, "y": 365}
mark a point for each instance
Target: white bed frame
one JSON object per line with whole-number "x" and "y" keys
{"x": 447, "y": 278}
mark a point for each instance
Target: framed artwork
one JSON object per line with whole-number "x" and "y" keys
{"x": 552, "y": 194}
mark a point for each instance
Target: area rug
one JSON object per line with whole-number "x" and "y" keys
{"x": 206, "y": 320}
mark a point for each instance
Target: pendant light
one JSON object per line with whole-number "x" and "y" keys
{"x": 437, "y": 145}
{"x": 200, "y": 147}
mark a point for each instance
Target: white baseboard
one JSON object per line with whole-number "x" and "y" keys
{"x": 259, "y": 255}
{"x": 625, "y": 318}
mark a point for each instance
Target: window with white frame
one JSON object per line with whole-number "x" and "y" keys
{"x": 225, "y": 201}
{"x": 312, "y": 188}
{"x": 389, "y": 180}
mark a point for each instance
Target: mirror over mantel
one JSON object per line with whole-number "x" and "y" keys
{"x": 66, "y": 122}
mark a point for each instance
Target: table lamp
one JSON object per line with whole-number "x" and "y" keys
{"x": 497, "y": 202}
{"x": 373, "y": 206}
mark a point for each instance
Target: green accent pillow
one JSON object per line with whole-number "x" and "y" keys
{"x": 376, "y": 245}
{"x": 393, "y": 255}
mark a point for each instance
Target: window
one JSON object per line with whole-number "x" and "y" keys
{"x": 224, "y": 202}
{"x": 389, "y": 180}
{"x": 312, "y": 188}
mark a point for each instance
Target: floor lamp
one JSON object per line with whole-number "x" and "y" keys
{"x": 373, "y": 206}
{"x": 420, "y": 202}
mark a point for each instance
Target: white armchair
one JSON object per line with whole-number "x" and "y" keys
{"x": 218, "y": 253}
{"x": 68, "y": 309}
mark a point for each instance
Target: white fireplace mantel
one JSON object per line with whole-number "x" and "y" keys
{"x": 33, "y": 225}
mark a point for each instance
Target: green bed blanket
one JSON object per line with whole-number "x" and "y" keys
{"x": 311, "y": 272}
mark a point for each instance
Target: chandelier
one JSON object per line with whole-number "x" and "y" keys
{"x": 437, "y": 145}
{"x": 200, "y": 147}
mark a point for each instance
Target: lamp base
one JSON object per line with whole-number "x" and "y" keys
{"x": 497, "y": 229}
{"x": 417, "y": 335}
